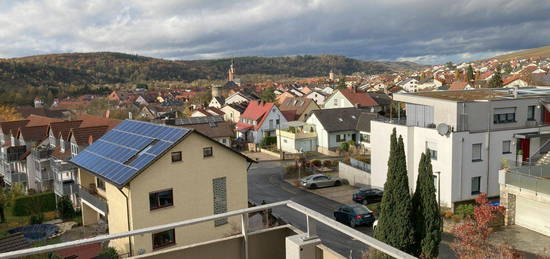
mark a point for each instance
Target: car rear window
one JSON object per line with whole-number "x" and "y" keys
{"x": 361, "y": 210}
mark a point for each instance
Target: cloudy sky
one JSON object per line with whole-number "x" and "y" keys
{"x": 427, "y": 31}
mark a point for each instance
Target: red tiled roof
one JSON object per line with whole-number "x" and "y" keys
{"x": 64, "y": 127}
{"x": 361, "y": 99}
{"x": 92, "y": 121}
{"x": 82, "y": 135}
{"x": 37, "y": 120}
{"x": 34, "y": 133}
{"x": 486, "y": 75}
{"x": 510, "y": 79}
{"x": 8, "y": 126}
{"x": 458, "y": 85}
{"x": 255, "y": 111}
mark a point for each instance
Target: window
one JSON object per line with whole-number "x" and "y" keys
{"x": 433, "y": 154}
{"x": 176, "y": 156}
{"x": 504, "y": 115}
{"x": 476, "y": 152}
{"x": 365, "y": 138}
{"x": 52, "y": 141}
{"x": 277, "y": 121}
{"x": 340, "y": 138}
{"x": 335, "y": 102}
{"x": 506, "y": 147}
{"x": 164, "y": 239}
{"x": 160, "y": 199}
{"x": 224, "y": 141}
{"x": 207, "y": 152}
{"x": 74, "y": 149}
{"x": 270, "y": 124}
{"x": 531, "y": 113}
{"x": 220, "y": 199}
{"x": 100, "y": 184}
{"x": 476, "y": 183}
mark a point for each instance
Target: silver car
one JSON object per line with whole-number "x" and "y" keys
{"x": 320, "y": 180}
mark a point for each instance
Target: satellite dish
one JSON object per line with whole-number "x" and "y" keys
{"x": 443, "y": 129}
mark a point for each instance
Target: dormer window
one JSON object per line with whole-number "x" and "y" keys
{"x": 52, "y": 141}
{"x": 62, "y": 145}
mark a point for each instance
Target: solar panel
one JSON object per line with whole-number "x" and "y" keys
{"x": 198, "y": 120}
{"x": 128, "y": 148}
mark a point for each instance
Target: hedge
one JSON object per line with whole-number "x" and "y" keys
{"x": 45, "y": 201}
{"x": 268, "y": 141}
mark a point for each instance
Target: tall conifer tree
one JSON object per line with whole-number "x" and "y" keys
{"x": 395, "y": 219}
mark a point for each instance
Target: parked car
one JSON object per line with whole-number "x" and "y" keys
{"x": 368, "y": 195}
{"x": 320, "y": 180}
{"x": 354, "y": 215}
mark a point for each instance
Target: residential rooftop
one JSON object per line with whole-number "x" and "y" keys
{"x": 486, "y": 94}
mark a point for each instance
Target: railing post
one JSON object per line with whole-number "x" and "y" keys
{"x": 311, "y": 228}
{"x": 244, "y": 231}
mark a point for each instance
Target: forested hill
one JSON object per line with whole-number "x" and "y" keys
{"x": 108, "y": 67}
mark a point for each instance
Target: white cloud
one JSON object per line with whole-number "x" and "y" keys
{"x": 426, "y": 31}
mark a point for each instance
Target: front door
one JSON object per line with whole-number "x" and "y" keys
{"x": 524, "y": 145}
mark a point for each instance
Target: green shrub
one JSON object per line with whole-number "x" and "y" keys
{"x": 65, "y": 208}
{"x": 110, "y": 252}
{"x": 36, "y": 218}
{"x": 268, "y": 141}
{"x": 42, "y": 202}
{"x": 465, "y": 209}
{"x": 344, "y": 146}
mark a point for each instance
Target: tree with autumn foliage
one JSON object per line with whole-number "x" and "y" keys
{"x": 8, "y": 113}
{"x": 472, "y": 235}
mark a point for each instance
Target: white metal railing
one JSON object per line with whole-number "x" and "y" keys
{"x": 312, "y": 217}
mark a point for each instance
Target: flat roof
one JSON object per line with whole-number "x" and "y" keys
{"x": 486, "y": 94}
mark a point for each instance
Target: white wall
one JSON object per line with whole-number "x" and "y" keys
{"x": 342, "y": 101}
{"x": 454, "y": 159}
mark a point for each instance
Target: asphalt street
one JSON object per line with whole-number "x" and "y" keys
{"x": 265, "y": 183}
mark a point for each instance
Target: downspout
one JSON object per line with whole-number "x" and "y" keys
{"x": 489, "y": 146}
{"x": 128, "y": 218}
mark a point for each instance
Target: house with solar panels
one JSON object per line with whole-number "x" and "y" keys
{"x": 140, "y": 175}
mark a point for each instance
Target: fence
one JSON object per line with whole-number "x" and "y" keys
{"x": 355, "y": 176}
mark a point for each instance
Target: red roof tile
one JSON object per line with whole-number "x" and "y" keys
{"x": 92, "y": 121}
{"x": 64, "y": 127}
{"x": 37, "y": 120}
{"x": 255, "y": 111}
{"x": 357, "y": 98}
{"x": 82, "y": 135}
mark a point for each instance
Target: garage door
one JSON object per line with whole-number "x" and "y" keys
{"x": 533, "y": 215}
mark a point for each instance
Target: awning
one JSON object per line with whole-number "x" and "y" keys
{"x": 531, "y": 135}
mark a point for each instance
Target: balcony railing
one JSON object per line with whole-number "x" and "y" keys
{"x": 42, "y": 152}
{"x": 61, "y": 165}
{"x": 62, "y": 188}
{"x": 90, "y": 196}
{"x": 534, "y": 178}
{"x": 44, "y": 175}
{"x": 313, "y": 218}
{"x": 12, "y": 176}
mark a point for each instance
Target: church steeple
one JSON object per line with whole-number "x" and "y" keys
{"x": 231, "y": 72}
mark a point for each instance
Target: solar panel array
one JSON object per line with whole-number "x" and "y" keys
{"x": 129, "y": 147}
{"x": 198, "y": 120}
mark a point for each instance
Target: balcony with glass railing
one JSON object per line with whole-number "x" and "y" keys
{"x": 41, "y": 152}
{"x": 91, "y": 196}
{"x": 535, "y": 178}
{"x": 12, "y": 176}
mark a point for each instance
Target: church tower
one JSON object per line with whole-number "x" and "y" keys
{"x": 231, "y": 72}
{"x": 331, "y": 75}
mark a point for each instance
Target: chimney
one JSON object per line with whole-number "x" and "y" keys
{"x": 129, "y": 115}
{"x": 107, "y": 113}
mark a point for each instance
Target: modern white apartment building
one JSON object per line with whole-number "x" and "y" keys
{"x": 470, "y": 135}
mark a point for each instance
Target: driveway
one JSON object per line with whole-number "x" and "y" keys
{"x": 265, "y": 183}
{"x": 522, "y": 239}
